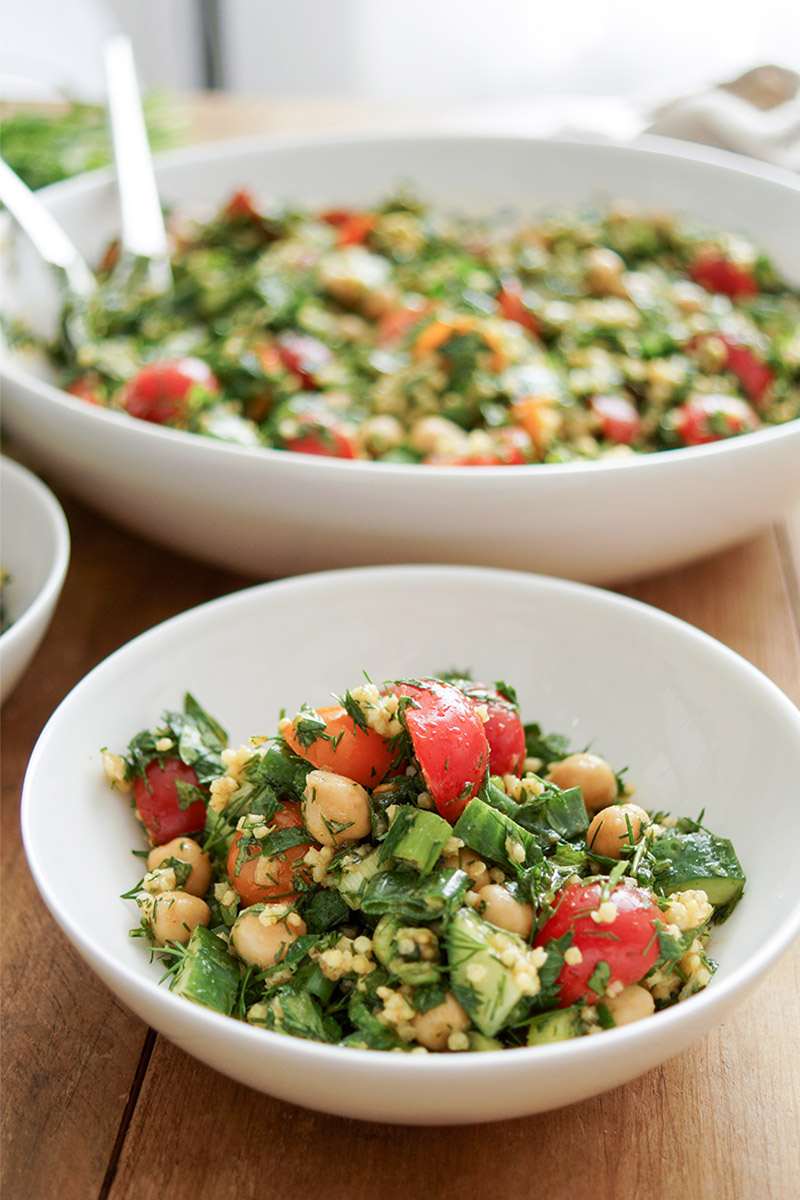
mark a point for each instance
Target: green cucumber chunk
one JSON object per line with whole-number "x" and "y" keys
{"x": 207, "y": 974}
{"x": 490, "y": 994}
{"x": 409, "y": 952}
{"x": 698, "y": 860}
{"x": 555, "y": 1027}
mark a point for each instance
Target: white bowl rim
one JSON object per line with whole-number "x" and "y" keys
{"x": 39, "y": 493}
{"x": 741, "y": 979}
{"x": 232, "y": 147}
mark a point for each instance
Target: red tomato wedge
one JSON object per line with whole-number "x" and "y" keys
{"x": 345, "y": 748}
{"x": 159, "y": 805}
{"x": 86, "y": 388}
{"x": 449, "y": 742}
{"x": 242, "y": 208}
{"x": 304, "y": 356}
{"x": 716, "y": 273}
{"x": 278, "y": 870}
{"x": 617, "y": 418}
{"x": 504, "y": 730}
{"x": 629, "y": 944}
{"x": 354, "y": 227}
{"x": 505, "y": 734}
{"x": 160, "y": 391}
{"x": 752, "y": 372}
{"x": 713, "y": 417}
{"x": 320, "y": 433}
{"x": 513, "y": 308}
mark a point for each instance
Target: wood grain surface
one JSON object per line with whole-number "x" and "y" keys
{"x": 96, "y": 1107}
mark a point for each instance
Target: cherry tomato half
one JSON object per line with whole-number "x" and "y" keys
{"x": 279, "y": 869}
{"x": 504, "y": 730}
{"x": 242, "y": 208}
{"x": 617, "y": 419}
{"x": 716, "y": 273}
{"x": 449, "y": 743}
{"x": 345, "y": 748}
{"x": 513, "y": 308}
{"x": 752, "y": 372}
{"x": 160, "y": 391}
{"x": 303, "y": 355}
{"x": 321, "y": 433}
{"x": 629, "y": 944}
{"x": 353, "y": 227}
{"x": 711, "y": 418}
{"x": 159, "y": 805}
{"x": 87, "y": 388}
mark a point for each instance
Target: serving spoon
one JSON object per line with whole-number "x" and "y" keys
{"x": 49, "y": 240}
{"x": 143, "y": 237}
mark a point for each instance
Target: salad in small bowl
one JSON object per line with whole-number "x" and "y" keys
{"x": 412, "y": 868}
{"x": 329, "y": 864}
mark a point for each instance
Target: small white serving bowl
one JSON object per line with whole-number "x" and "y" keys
{"x": 34, "y": 549}
{"x": 269, "y": 513}
{"x": 698, "y": 727}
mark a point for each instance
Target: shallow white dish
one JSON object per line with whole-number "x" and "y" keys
{"x": 269, "y": 513}
{"x": 34, "y": 548}
{"x": 697, "y": 725}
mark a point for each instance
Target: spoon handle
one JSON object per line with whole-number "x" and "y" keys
{"x": 142, "y": 223}
{"x": 47, "y": 236}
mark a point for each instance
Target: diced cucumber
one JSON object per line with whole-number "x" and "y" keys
{"x": 555, "y": 816}
{"x": 207, "y": 975}
{"x": 555, "y": 1027}
{"x": 409, "y": 952}
{"x": 298, "y": 1014}
{"x": 483, "y": 984}
{"x": 416, "y": 837}
{"x": 494, "y": 836}
{"x": 479, "y": 1041}
{"x": 698, "y": 860}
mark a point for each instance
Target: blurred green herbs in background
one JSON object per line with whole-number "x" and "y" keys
{"x": 44, "y": 146}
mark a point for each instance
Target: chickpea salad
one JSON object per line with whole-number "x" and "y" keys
{"x": 411, "y": 868}
{"x": 406, "y": 334}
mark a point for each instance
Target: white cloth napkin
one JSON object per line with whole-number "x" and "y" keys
{"x": 757, "y": 114}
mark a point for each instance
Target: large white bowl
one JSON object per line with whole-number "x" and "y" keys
{"x": 34, "y": 549}
{"x": 697, "y": 726}
{"x": 269, "y": 513}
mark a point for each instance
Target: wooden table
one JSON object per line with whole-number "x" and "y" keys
{"x": 95, "y": 1105}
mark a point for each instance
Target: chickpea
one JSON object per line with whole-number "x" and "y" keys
{"x": 604, "y": 272}
{"x": 173, "y": 916}
{"x": 262, "y": 943}
{"x": 433, "y": 1028}
{"x": 475, "y": 867}
{"x": 503, "y": 910}
{"x": 591, "y": 773}
{"x": 335, "y": 809}
{"x": 437, "y": 435}
{"x": 608, "y": 831}
{"x": 186, "y": 850}
{"x": 632, "y": 1004}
